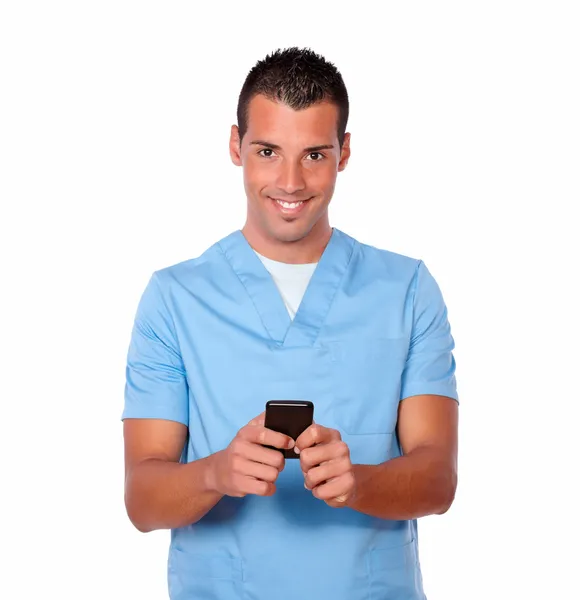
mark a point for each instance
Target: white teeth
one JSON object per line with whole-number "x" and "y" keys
{"x": 289, "y": 205}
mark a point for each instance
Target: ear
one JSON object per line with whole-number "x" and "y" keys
{"x": 345, "y": 153}
{"x": 235, "y": 149}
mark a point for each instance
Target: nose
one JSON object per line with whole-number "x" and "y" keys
{"x": 290, "y": 178}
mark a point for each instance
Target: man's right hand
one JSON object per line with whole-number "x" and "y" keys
{"x": 246, "y": 466}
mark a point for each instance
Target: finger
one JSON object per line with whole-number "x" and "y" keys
{"x": 259, "y": 454}
{"x": 258, "y": 434}
{"x": 337, "y": 488}
{"x": 316, "y": 434}
{"x": 257, "y": 470}
{"x": 339, "y": 502}
{"x": 317, "y": 455}
{"x": 259, "y": 420}
{"x": 326, "y": 472}
{"x": 251, "y": 485}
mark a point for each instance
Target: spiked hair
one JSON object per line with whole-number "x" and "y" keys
{"x": 299, "y": 78}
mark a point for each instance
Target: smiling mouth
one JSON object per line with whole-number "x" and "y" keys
{"x": 289, "y": 207}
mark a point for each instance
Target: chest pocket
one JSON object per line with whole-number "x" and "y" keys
{"x": 367, "y": 376}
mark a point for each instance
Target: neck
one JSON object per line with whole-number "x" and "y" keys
{"x": 308, "y": 249}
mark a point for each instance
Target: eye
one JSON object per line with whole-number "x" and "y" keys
{"x": 266, "y": 150}
{"x": 316, "y": 154}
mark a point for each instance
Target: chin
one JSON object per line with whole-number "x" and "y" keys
{"x": 291, "y": 233}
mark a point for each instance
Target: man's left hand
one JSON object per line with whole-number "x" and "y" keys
{"x": 325, "y": 462}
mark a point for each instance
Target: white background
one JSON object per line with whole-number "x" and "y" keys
{"x": 114, "y": 125}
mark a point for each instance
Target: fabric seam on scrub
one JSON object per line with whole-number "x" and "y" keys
{"x": 225, "y": 257}
{"x": 180, "y": 366}
{"x": 336, "y": 288}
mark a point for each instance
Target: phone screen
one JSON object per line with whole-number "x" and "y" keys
{"x": 290, "y": 417}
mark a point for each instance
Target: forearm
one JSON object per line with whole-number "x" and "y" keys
{"x": 164, "y": 495}
{"x": 415, "y": 485}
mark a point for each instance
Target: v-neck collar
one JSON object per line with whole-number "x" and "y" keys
{"x": 304, "y": 329}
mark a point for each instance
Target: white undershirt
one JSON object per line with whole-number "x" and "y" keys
{"x": 291, "y": 280}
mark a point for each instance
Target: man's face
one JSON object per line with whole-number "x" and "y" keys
{"x": 290, "y": 160}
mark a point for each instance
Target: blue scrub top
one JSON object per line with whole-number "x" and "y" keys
{"x": 212, "y": 342}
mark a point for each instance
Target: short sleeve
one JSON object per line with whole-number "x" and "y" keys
{"x": 430, "y": 365}
{"x": 156, "y": 385}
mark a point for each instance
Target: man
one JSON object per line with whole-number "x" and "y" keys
{"x": 291, "y": 308}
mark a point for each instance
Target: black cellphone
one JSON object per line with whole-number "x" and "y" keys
{"x": 290, "y": 417}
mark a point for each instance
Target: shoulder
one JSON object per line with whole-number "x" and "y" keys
{"x": 411, "y": 273}
{"x": 191, "y": 272}
{"x": 387, "y": 262}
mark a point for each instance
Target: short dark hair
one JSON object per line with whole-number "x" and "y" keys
{"x": 298, "y": 77}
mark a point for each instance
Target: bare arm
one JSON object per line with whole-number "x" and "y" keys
{"x": 161, "y": 493}
{"x": 422, "y": 481}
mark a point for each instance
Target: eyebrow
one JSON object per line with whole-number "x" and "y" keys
{"x": 276, "y": 147}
